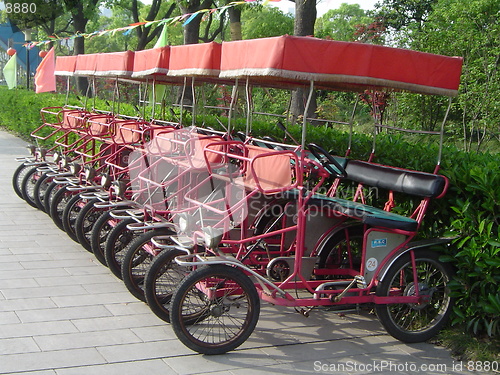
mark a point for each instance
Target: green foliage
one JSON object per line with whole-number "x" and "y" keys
{"x": 475, "y": 204}
{"x": 260, "y": 22}
{"x": 340, "y": 24}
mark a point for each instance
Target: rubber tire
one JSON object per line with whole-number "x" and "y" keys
{"x": 85, "y": 221}
{"x": 28, "y": 185}
{"x": 181, "y": 325}
{"x": 39, "y": 190}
{"x": 52, "y": 189}
{"x": 17, "y": 178}
{"x": 58, "y": 204}
{"x": 163, "y": 270}
{"x": 137, "y": 260}
{"x": 71, "y": 211}
{"x": 117, "y": 241}
{"x": 99, "y": 235}
{"x": 383, "y": 288}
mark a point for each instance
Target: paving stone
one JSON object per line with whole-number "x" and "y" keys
{"x": 67, "y": 313}
{"x": 86, "y": 300}
{"x": 245, "y": 359}
{"x": 86, "y": 339}
{"x": 35, "y": 329}
{"x": 18, "y": 345}
{"x": 117, "y": 322}
{"x": 8, "y": 317}
{"x": 154, "y": 367}
{"x": 49, "y": 360}
{"x": 27, "y": 304}
{"x": 147, "y": 350}
{"x": 48, "y": 291}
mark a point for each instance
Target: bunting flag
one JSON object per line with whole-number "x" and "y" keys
{"x": 45, "y": 79}
{"x": 10, "y": 72}
{"x": 163, "y": 38}
{"x": 184, "y": 19}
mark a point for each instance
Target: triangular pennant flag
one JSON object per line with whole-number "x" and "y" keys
{"x": 10, "y": 72}
{"x": 163, "y": 38}
{"x": 45, "y": 79}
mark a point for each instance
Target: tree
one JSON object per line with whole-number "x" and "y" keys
{"x": 470, "y": 29}
{"x": 157, "y": 10}
{"x": 261, "y": 22}
{"x": 341, "y": 23}
{"x": 305, "y": 17}
{"x": 399, "y": 14}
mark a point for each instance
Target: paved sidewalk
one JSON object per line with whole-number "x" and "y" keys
{"x": 62, "y": 312}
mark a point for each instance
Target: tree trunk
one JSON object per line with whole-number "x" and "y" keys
{"x": 305, "y": 17}
{"x": 235, "y": 23}
{"x": 79, "y": 24}
{"x": 192, "y": 31}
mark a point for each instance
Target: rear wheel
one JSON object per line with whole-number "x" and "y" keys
{"x": 17, "y": 178}
{"x": 99, "y": 235}
{"x": 343, "y": 249}
{"x": 57, "y": 205}
{"x": 416, "y": 322}
{"x": 28, "y": 185}
{"x": 39, "y": 190}
{"x": 52, "y": 189}
{"x": 215, "y": 309}
{"x": 118, "y": 239}
{"x": 85, "y": 221}
{"x": 70, "y": 213}
{"x": 162, "y": 278}
{"x": 138, "y": 256}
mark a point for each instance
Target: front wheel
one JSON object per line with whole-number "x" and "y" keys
{"x": 58, "y": 203}
{"x": 161, "y": 280}
{"x": 214, "y": 309}
{"x": 116, "y": 242}
{"x": 28, "y": 185}
{"x": 70, "y": 213}
{"x": 137, "y": 259}
{"x": 18, "y": 176}
{"x": 85, "y": 221}
{"x": 416, "y": 322}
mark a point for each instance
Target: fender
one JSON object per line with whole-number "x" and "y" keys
{"x": 334, "y": 230}
{"x": 267, "y": 212}
{"x": 411, "y": 246}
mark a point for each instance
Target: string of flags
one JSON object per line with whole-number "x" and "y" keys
{"x": 185, "y": 19}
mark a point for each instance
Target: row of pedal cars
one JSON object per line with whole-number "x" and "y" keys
{"x": 203, "y": 224}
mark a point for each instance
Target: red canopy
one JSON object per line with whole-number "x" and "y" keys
{"x": 65, "y": 65}
{"x": 195, "y": 60}
{"x": 114, "y": 64}
{"x": 86, "y": 64}
{"x": 289, "y": 60}
{"x": 151, "y": 62}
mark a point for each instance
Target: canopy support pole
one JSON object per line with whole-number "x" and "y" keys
{"x": 234, "y": 99}
{"x": 182, "y": 101}
{"x": 248, "y": 94}
{"x": 441, "y": 136}
{"x": 193, "y": 112}
{"x": 351, "y": 126}
{"x": 306, "y": 109}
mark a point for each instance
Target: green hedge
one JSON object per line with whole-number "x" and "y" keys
{"x": 470, "y": 210}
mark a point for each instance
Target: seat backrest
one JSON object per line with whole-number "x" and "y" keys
{"x": 398, "y": 180}
{"x": 269, "y": 171}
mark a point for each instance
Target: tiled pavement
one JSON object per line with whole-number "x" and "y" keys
{"x": 62, "y": 312}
